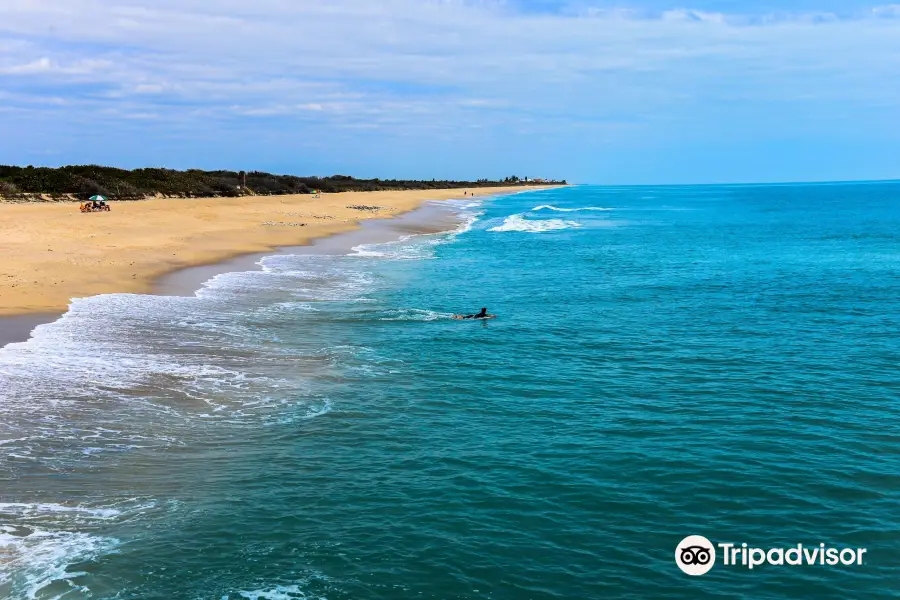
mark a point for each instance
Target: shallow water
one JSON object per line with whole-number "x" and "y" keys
{"x": 716, "y": 360}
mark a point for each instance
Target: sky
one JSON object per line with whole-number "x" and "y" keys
{"x": 592, "y": 91}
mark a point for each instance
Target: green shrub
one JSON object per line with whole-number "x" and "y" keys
{"x": 84, "y": 181}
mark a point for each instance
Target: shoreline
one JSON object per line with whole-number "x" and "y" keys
{"x": 428, "y": 218}
{"x": 186, "y": 277}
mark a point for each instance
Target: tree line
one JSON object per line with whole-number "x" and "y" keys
{"x": 85, "y": 181}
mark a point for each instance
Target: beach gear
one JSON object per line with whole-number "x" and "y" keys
{"x": 92, "y": 206}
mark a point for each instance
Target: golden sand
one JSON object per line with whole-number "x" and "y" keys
{"x": 50, "y": 253}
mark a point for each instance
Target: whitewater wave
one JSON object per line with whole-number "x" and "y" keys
{"x": 304, "y": 278}
{"x": 579, "y": 209}
{"x": 299, "y": 590}
{"x": 520, "y": 223}
{"x": 33, "y": 510}
{"x": 417, "y": 246}
{"x": 38, "y": 546}
{"x": 33, "y": 559}
{"x": 278, "y": 592}
{"x": 459, "y": 204}
{"x": 414, "y": 314}
{"x": 402, "y": 249}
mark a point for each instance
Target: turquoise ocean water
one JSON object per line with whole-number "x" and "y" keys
{"x": 711, "y": 360}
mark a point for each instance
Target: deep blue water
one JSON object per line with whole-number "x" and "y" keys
{"x": 711, "y": 360}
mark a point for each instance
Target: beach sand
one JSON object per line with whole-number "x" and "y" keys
{"x": 50, "y": 252}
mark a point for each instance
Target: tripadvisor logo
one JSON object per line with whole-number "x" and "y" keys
{"x": 696, "y": 555}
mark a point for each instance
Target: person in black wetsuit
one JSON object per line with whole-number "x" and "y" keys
{"x": 482, "y": 315}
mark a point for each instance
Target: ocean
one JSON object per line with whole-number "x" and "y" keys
{"x": 666, "y": 361}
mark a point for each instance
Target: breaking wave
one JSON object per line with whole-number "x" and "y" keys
{"x": 520, "y": 223}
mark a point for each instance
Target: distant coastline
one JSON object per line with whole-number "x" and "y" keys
{"x": 72, "y": 183}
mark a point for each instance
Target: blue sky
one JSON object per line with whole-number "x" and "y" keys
{"x": 647, "y": 91}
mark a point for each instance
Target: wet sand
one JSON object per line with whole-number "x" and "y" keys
{"x": 18, "y": 328}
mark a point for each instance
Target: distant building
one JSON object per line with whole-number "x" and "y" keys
{"x": 538, "y": 180}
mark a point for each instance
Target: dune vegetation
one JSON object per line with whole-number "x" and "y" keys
{"x": 81, "y": 182}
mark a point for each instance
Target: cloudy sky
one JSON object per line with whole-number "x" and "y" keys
{"x": 640, "y": 91}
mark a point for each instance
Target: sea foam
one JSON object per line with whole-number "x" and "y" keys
{"x": 280, "y": 592}
{"x": 520, "y": 223}
{"x": 37, "y": 558}
{"x": 38, "y": 550}
{"x": 417, "y": 246}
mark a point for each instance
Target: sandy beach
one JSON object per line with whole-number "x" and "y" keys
{"x": 51, "y": 252}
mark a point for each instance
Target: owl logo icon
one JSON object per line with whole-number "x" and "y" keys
{"x": 695, "y": 555}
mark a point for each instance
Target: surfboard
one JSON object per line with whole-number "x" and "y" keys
{"x": 463, "y": 318}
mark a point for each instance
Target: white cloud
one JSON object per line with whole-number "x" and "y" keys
{"x": 352, "y": 60}
{"x": 41, "y": 65}
{"x": 695, "y": 16}
{"x": 891, "y": 11}
{"x": 45, "y": 65}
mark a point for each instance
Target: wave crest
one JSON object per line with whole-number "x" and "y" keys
{"x": 520, "y": 223}
{"x": 558, "y": 209}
